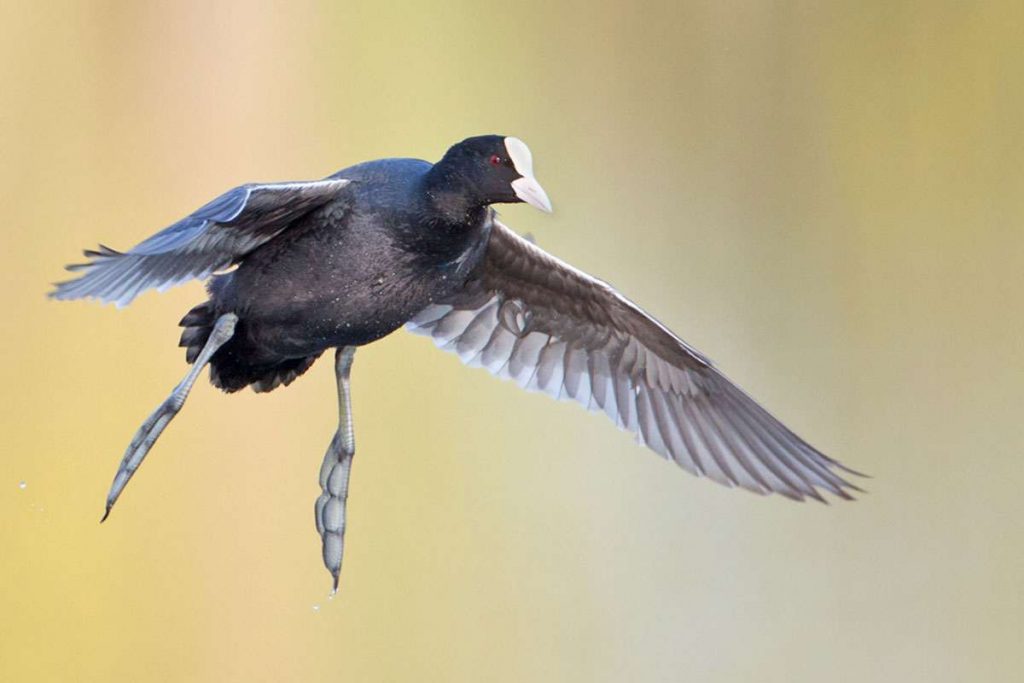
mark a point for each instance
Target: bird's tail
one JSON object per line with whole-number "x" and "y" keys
{"x": 231, "y": 368}
{"x": 198, "y": 324}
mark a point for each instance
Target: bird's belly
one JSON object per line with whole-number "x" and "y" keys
{"x": 301, "y": 326}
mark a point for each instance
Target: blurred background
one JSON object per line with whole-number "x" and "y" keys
{"x": 826, "y": 198}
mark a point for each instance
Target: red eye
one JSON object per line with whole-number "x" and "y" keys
{"x": 495, "y": 160}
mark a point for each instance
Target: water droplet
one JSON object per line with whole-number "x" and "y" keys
{"x": 316, "y": 608}
{"x": 22, "y": 485}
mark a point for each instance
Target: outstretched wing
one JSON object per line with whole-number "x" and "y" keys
{"x": 212, "y": 238}
{"x": 530, "y": 317}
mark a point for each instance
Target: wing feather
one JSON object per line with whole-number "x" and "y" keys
{"x": 530, "y": 317}
{"x": 215, "y": 236}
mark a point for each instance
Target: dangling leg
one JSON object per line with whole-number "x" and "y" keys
{"x": 154, "y": 425}
{"x": 330, "y": 506}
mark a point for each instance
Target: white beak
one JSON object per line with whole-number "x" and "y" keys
{"x": 529, "y": 190}
{"x": 526, "y": 188}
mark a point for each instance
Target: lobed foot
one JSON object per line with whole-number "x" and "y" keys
{"x": 334, "y": 473}
{"x": 330, "y": 506}
{"x": 154, "y": 425}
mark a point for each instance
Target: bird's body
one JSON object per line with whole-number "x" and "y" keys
{"x": 341, "y": 262}
{"x": 346, "y": 274}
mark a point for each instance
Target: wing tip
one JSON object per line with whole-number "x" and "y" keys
{"x": 63, "y": 291}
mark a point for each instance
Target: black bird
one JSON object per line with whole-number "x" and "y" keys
{"x": 341, "y": 262}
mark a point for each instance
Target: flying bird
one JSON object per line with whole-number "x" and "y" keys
{"x": 297, "y": 268}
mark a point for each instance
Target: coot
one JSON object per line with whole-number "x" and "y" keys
{"x": 341, "y": 262}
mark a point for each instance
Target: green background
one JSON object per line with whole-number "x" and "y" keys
{"x": 825, "y": 197}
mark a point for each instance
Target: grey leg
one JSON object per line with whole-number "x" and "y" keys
{"x": 330, "y": 506}
{"x": 154, "y": 425}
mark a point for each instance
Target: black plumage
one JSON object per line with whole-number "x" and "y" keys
{"x": 342, "y": 262}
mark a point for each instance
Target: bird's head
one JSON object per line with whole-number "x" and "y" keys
{"x": 496, "y": 170}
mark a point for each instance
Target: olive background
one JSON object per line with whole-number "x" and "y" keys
{"x": 825, "y": 197}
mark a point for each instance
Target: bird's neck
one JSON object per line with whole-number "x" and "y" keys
{"x": 452, "y": 196}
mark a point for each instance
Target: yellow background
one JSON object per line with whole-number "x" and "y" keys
{"x": 825, "y": 197}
